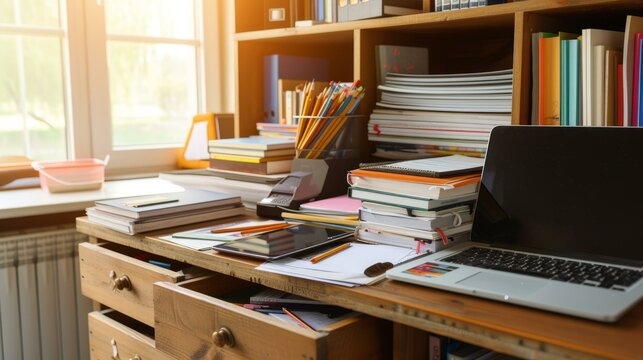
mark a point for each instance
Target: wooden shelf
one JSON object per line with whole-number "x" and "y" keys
{"x": 479, "y": 39}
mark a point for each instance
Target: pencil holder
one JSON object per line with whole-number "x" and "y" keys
{"x": 330, "y": 137}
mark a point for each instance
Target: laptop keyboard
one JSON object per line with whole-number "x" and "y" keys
{"x": 605, "y": 276}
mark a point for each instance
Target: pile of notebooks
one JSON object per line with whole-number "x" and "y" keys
{"x": 423, "y": 204}
{"x": 256, "y": 155}
{"x": 146, "y": 213}
{"x": 338, "y": 212}
{"x": 441, "y": 113}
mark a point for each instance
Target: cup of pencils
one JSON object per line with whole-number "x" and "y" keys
{"x": 327, "y": 121}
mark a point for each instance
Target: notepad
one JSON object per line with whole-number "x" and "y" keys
{"x": 443, "y": 166}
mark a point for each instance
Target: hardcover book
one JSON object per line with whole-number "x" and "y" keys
{"x": 254, "y": 143}
{"x": 142, "y": 207}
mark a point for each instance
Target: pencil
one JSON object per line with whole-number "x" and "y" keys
{"x": 329, "y": 253}
{"x": 297, "y": 319}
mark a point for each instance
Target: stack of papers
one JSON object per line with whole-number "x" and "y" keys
{"x": 346, "y": 268}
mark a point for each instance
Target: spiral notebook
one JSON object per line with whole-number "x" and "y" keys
{"x": 443, "y": 166}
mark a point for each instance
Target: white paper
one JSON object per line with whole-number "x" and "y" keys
{"x": 192, "y": 243}
{"x": 344, "y": 268}
{"x": 197, "y": 146}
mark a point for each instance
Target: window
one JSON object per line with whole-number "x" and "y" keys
{"x": 33, "y": 92}
{"x": 117, "y": 77}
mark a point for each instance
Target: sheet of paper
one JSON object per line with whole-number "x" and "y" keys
{"x": 195, "y": 244}
{"x": 316, "y": 320}
{"x": 345, "y": 268}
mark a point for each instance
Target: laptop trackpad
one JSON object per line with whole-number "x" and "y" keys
{"x": 503, "y": 284}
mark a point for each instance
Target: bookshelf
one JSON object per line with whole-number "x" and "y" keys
{"x": 478, "y": 39}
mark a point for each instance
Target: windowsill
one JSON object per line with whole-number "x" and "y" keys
{"x": 30, "y": 202}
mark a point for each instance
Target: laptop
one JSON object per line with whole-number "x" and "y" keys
{"x": 557, "y": 226}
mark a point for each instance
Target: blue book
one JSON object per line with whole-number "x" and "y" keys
{"x": 291, "y": 67}
{"x": 564, "y": 82}
{"x": 640, "y": 82}
{"x": 573, "y": 98}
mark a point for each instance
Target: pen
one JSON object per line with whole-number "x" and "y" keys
{"x": 330, "y": 252}
{"x": 297, "y": 319}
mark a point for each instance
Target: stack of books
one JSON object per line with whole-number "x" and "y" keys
{"x": 256, "y": 155}
{"x": 408, "y": 204}
{"x": 442, "y": 113}
{"x": 338, "y": 212}
{"x": 146, "y": 213}
{"x": 288, "y": 131}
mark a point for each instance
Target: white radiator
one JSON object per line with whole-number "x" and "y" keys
{"x": 42, "y": 313}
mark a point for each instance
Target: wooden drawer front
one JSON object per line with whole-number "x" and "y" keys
{"x": 186, "y": 319}
{"x": 111, "y": 336}
{"x": 96, "y": 264}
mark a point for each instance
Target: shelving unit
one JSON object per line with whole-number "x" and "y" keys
{"x": 478, "y": 39}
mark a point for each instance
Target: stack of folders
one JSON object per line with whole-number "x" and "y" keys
{"x": 440, "y": 113}
{"x": 421, "y": 204}
{"x": 146, "y": 213}
{"x": 338, "y": 212}
{"x": 256, "y": 155}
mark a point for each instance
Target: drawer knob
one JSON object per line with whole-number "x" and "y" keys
{"x": 120, "y": 283}
{"x": 223, "y": 337}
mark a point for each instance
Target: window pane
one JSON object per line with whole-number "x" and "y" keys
{"x": 35, "y": 12}
{"x": 32, "y": 111}
{"x": 153, "y": 93}
{"x": 6, "y": 12}
{"x": 161, "y": 18}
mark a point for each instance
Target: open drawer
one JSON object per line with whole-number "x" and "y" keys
{"x": 113, "y": 335}
{"x": 191, "y": 322}
{"x": 122, "y": 278}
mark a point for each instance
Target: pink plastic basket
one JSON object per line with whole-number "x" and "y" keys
{"x": 70, "y": 175}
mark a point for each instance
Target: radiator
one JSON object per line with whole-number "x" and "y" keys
{"x": 42, "y": 313}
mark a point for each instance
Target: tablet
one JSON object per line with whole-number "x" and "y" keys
{"x": 282, "y": 243}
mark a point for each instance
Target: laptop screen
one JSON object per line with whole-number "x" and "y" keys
{"x": 567, "y": 191}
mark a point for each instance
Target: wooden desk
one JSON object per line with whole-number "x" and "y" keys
{"x": 515, "y": 330}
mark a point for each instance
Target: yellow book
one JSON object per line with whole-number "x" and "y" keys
{"x": 249, "y": 159}
{"x": 549, "y": 73}
{"x": 349, "y": 220}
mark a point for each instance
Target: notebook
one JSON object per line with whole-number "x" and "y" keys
{"x": 556, "y": 226}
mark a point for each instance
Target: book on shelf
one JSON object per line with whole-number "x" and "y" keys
{"x": 413, "y": 203}
{"x": 535, "y": 74}
{"x": 435, "y": 167}
{"x": 455, "y": 216}
{"x": 142, "y": 207}
{"x": 549, "y": 81}
{"x": 636, "y": 119}
{"x": 591, "y": 74}
{"x": 253, "y": 143}
{"x": 264, "y": 168}
{"x": 570, "y": 82}
{"x": 400, "y": 59}
{"x": 280, "y": 66}
{"x": 131, "y": 226}
{"x": 367, "y": 234}
{"x": 612, "y": 59}
{"x": 633, "y": 25}
{"x": 444, "y": 118}
{"x": 351, "y": 10}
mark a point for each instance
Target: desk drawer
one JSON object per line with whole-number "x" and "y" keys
{"x": 115, "y": 336}
{"x": 104, "y": 265}
{"x": 188, "y": 314}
